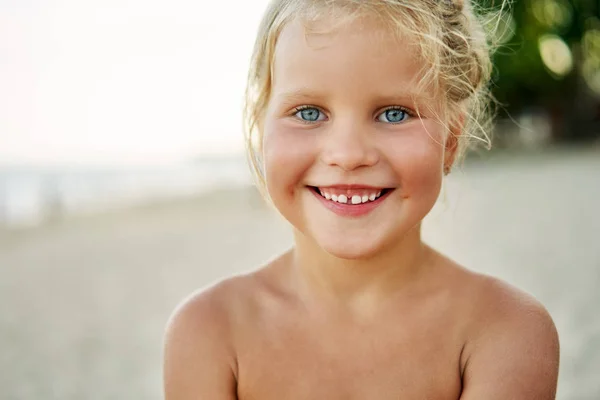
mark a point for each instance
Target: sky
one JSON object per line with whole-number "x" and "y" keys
{"x": 122, "y": 81}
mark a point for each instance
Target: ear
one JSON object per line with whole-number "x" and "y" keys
{"x": 451, "y": 144}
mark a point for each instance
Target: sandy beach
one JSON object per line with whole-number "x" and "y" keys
{"x": 84, "y": 300}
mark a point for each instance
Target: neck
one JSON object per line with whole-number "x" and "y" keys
{"x": 358, "y": 282}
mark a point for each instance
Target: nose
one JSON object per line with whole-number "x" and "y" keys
{"x": 349, "y": 145}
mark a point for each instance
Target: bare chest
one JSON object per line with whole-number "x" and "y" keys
{"x": 389, "y": 361}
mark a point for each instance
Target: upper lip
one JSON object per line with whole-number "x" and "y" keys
{"x": 352, "y": 187}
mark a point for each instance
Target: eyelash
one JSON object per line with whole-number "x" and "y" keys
{"x": 408, "y": 112}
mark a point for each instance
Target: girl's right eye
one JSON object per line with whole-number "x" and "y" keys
{"x": 309, "y": 114}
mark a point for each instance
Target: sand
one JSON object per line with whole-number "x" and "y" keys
{"x": 84, "y": 300}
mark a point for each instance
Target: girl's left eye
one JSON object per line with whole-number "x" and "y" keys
{"x": 393, "y": 115}
{"x": 309, "y": 114}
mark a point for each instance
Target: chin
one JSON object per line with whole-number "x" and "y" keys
{"x": 349, "y": 253}
{"x": 352, "y": 249}
{"x": 365, "y": 245}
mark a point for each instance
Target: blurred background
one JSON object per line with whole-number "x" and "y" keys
{"x": 124, "y": 187}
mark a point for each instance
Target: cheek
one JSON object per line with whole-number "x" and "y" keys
{"x": 418, "y": 162}
{"x": 288, "y": 153}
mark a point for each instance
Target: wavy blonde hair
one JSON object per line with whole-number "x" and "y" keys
{"x": 451, "y": 41}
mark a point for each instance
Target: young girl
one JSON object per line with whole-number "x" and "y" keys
{"x": 356, "y": 109}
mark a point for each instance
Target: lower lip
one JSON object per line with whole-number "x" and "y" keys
{"x": 351, "y": 210}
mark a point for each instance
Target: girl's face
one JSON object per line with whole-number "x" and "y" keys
{"x": 347, "y": 160}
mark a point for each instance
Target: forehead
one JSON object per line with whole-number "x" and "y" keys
{"x": 359, "y": 53}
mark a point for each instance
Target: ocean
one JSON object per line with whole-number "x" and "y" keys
{"x": 31, "y": 195}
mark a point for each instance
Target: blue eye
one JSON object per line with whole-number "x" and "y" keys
{"x": 393, "y": 116}
{"x": 309, "y": 114}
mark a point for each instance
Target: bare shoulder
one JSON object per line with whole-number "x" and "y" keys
{"x": 501, "y": 308}
{"x": 512, "y": 346}
{"x": 203, "y": 334}
{"x": 199, "y": 347}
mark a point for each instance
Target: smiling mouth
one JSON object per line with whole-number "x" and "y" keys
{"x": 351, "y": 197}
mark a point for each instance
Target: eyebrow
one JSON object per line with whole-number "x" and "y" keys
{"x": 405, "y": 95}
{"x": 299, "y": 95}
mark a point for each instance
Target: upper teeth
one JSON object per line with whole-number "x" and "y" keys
{"x": 356, "y": 198}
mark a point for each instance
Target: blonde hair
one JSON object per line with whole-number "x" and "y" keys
{"x": 451, "y": 39}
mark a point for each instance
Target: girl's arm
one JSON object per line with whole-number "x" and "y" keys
{"x": 198, "y": 361}
{"x": 515, "y": 355}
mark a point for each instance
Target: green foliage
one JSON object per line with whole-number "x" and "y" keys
{"x": 531, "y": 66}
